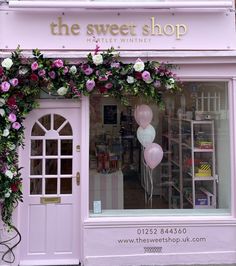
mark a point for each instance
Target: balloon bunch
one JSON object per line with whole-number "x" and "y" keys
{"x": 152, "y": 152}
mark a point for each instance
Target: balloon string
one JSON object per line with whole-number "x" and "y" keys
{"x": 151, "y": 182}
{"x": 145, "y": 176}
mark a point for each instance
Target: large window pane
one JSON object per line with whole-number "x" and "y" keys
{"x": 193, "y": 132}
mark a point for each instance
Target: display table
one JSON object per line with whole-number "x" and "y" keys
{"x": 107, "y": 188}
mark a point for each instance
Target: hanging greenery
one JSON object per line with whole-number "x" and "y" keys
{"x": 21, "y": 80}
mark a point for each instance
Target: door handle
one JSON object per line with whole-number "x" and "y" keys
{"x": 78, "y": 178}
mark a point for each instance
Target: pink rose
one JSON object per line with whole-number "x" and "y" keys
{"x": 146, "y": 76}
{"x": 16, "y": 125}
{"x": 12, "y": 117}
{"x": 90, "y": 84}
{"x": 65, "y": 70}
{"x": 109, "y": 85}
{"x": 5, "y": 86}
{"x": 34, "y": 66}
{"x": 41, "y": 72}
{"x": 88, "y": 71}
{"x": 103, "y": 78}
{"x": 58, "y": 63}
{"x": 14, "y": 82}
{"x": 52, "y": 74}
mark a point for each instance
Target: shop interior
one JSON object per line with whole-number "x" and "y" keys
{"x": 193, "y": 131}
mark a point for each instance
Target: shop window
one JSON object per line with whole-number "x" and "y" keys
{"x": 194, "y": 174}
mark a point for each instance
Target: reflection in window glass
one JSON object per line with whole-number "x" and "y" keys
{"x": 66, "y": 166}
{"x": 46, "y": 121}
{"x": 58, "y": 121}
{"x": 37, "y": 147}
{"x": 51, "y": 166}
{"x": 66, "y": 147}
{"x": 66, "y": 130}
{"x": 193, "y": 132}
{"x": 50, "y": 185}
{"x": 37, "y": 130}
{"x": 36, "y": 186}
{"x": 66, "y": 185}
{"x": 51, "y": 146}
{"x": 36, "y": 167}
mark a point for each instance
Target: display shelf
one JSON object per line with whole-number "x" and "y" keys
{"x": 192, "y": 147}
{"x": 204, "y": 178}
{"x": 175, "y": 163}
{"x": 202, "y": 150}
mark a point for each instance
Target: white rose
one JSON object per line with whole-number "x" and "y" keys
{"x": 130, "y": 80}
{"x": 7, "y": 195}
{"x": 149, "y": 81}
{"x": 73, "y": 70}
{"x": 23, "y": 71}
{"x": 5, "y": 132}
{"x": 2, "y": 112}
{"x": 169, "y": 86}
{"x": 2, "y": 102}
{"x": 9, "y": 174}
{"x": 139, "y": 65}
{"x": 171, "y": 80}
{"x": 97, "y": 59}
{"x": 7, "y": 63}
{"x": 62, "y": 91}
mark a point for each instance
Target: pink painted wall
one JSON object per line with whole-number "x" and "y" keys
{"x": 101, "y": 243}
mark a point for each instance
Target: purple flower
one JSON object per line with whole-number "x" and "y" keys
{"x": 157, "y": 84}
{"x": 5, "y": 86}
{"x": 16, "y": 125}
{"x": 34, "y": 66}
{"x": 58, "y": 63}
{"x": 108, "y": 85}
{"x": 52, "y": 74}
{"x": 146, "y": 75}
{"x": 90, "y": 84}
{"x": 12, "y": 117}
{"x": 41, "y": 72}
{"x": 14, "y": 82}
{"x": 115, "y": 65}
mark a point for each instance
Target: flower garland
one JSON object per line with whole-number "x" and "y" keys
{"x": 21, "y": 80}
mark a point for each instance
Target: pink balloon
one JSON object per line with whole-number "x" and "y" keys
{"x": 143, "y": 115}
{"x": 153, "y": 155}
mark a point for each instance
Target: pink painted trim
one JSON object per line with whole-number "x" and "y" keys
{"x": 115, "y": 5}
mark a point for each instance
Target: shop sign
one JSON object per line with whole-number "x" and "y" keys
{"x": 123, "y": 31}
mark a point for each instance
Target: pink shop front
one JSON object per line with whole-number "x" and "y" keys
{"x": 89, "y": 196}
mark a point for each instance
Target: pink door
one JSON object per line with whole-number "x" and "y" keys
{"x": 50, "y": 214}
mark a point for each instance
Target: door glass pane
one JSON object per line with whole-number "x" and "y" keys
{"x": 36, "y": 147}
{"x": 66, "y": 147}
{"x": 51, "y": 186}
{"x": 51, "y": 147}
{"x": 37, "y": 130}
{"x": 51, "y": 166}
{"x": 46, "y": 121}
{"x": 58, "y": 121}
{"x": 66, "y": 186}
{"x": 66, "y": 166}
{"x": 35, "y": 186}
{"x": 66, "y": 130}
{"x": 36, "y": 167}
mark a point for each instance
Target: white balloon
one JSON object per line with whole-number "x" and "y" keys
{"x": 146, "y": 135}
